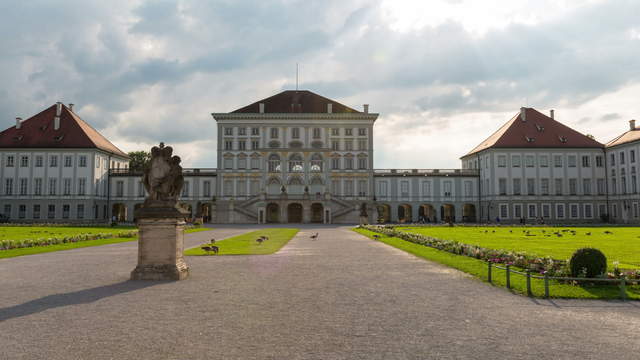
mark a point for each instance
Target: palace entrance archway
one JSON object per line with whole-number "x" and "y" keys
{"x": 294, "y": 213}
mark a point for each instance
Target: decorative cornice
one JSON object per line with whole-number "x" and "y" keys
{"x": 295, "y": 116}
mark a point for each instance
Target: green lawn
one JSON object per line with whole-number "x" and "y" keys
{"x": 80, "y": 244}
{"x": 246, "y": 244}
{"x": 36, "y": 232}
{"x": 478, "y": 268}
{"x": 623, "y": 245}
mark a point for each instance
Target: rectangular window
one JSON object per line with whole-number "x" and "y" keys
{"x": 502, "y": 160}
{"x": 362, "y": 163}
{"x": 586, "y": 186}
{"x": 502, "y": 186}
{"x": 242, "y": 131}
{"x": 586, "y": 161}
{"x": 544, "y": 186}
{"x": 404, "y": 188}
{"x": 632, "y": 156}
{"x": 621, "y": 158}
{"x": 67, "y": 161}
{"x": 557, "y": 161}
{"x": 348, "y": 163}
{"x": 255, "y": 131}
{"x": 255, "y": 163}
{"x": 82, "y": 161}
{"x": 274, "y": 133}
{"x": 573, "y": 208}
{"x": 141, "y": 190}
{"x": 242, "y": 163}
{"x": 571, "y": 161}
{"x": 39, "y": 160}
{"x": 362, "y": 131}
{"x": 228, "y": 145}
{"x": 22, "y": 211}
{"x": 254, "y": 187}
{"x": 362, "y": 144}
{"x": 544, "y": 161}
{"x": 120, "y": 188}
{"x": 8, "y": 186}
{"x": 362, "y": 187}
{"x": 51, "y": 211}
{"x": 10, "y": 160}
{"x": 602, "y": 210}
{"x": 335, "y": 131}
{"x": 24, "y": 161}
{"x": 97, "y": 162}
{"x": 515, "y": 161}
{"x": 426, "y": 188}
{"x": 228, "y": 131}
{"x": 80, "y": 211}
{"x": 517, "y": 211}
{"x": 468, "y": 188}
{"x": 348, "y": 132}
{"x": 516, "y": 186}
{"x": 559, "y": 211}
{"x": 528, "y": 161}
{"x": 588, "y": 211}
{"x": 242, "y": 145}
{"x": 382, "y": 188}
{"x": 295, "y": 133}
{"x": 599, "y": 162}
{"x": 255, "y": 144}
{"x": 504, "y": 211}
{"x": 558, "y": 186}
{"x": 546, "y": 210}
{"x": 36, "y": 211}
{"x": 614, "y": 186}
{"x": 37, "y": 186}
{"x": 573, "y": 186}
{"x": 348, "y": 145}
{"x": 601, "y": 187}
{"x": 53, "y": 161}
{"x": 316, "y": 133}
{"x": 532, "y": 210}
{"x": 66, "y": 188}
{"x": 335, "y": 187}
{"x": 447, "y": 188}
{"x": 335, "y": 163}
{"x": 228, "y": 188}
{"x": 23, "y": 186}
{"x": 242, "y": 187}
{"x": 335, "y": 145}
{"x": 531, "y": 186}
{"x": 612, "y": 159}
{"x": 65, "y": 211}
{"x": 228, "y": 163}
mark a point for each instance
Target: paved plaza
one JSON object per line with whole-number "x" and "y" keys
{"x": 342, "y": 296}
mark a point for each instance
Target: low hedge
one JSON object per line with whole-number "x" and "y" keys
{"x": 26, "y": 243}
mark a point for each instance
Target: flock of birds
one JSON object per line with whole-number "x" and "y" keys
{"x": 558, "y": 233}
{"x": 210, "y": 248}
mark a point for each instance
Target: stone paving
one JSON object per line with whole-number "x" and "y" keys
{"x": 342, "y": 296}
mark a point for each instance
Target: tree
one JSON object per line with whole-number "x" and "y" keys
{"x": 138, "y": 160}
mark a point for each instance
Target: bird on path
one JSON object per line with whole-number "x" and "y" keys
{"x": 314, "y": 236}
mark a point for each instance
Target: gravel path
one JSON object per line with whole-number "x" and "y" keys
{"x": 342, "y": 296}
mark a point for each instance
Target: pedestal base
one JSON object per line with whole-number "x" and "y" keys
{"x": 161, "y": 272}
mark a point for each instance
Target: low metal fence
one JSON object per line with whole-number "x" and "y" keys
{"x": 622, "y": 282}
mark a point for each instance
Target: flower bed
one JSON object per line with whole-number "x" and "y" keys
{"x": 552, "y": 267}
{"x": 26, "y": 243}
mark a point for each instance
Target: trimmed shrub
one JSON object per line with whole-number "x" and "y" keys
{"x": 588, "y": 262}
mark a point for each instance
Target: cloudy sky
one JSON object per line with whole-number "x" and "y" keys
{"x": 443, "y": 74}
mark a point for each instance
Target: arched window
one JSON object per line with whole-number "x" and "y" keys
{"x": 295, "y": 180}
{"x": 317, "y": 180}
{"x": 273, "y": 181}
{"x": 316, "y": 163}
{"x": 274, "y": 144}
{"x": 296, "y": 163}
{"x": 274, "y": 163}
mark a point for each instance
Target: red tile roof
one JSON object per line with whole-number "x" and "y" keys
{"x": 627, "y": 137}
{"x": 38, "y": 132}
{"x": 296, "y": 101}
{"x": 535, "y": 130}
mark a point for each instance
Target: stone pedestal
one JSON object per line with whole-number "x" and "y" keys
{"x": 160, "y": 245}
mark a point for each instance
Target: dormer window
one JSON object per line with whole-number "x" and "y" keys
{"x": 58, "y": 138}
{"x": 529, "y": 139}
{"x": 43, "y": 127}
{"x": 18, "y": 138}
{"x": 540, "y": 128}
{"x": 562, "y": 139}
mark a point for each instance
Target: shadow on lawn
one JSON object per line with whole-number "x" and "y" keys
{"x": 72, "y": 298}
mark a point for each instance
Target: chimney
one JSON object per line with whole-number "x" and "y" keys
{"x": 632, "y": 124}
{"x": 261, "y": 106}
{"x": 71, "y": 106}
{"x": 366, "y": 108}
{"x": 18, "y": 122}
{"x": 329, "y": 108}
{"x": 552, "y": 113}
{"x": 58, "y": 108}
{"x": 523, "y": 113}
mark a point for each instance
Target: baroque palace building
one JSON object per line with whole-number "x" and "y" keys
{"x": 298, "y": 157}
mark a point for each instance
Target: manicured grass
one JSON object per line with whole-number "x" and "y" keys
{"x": 623, "y": 245}
{"x": 76, "y": 245}
{"x": 36, "y": 232}
{"x": 478, "y": 268}
{"x": 246, "y": 244}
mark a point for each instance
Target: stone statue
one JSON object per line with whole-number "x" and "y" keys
{"x": 283, "y": 189}
{"x": 363, "y": 210}
{"x": 163, "y": 177}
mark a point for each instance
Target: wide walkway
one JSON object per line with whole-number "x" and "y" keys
{"x": 339, "y": 297}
